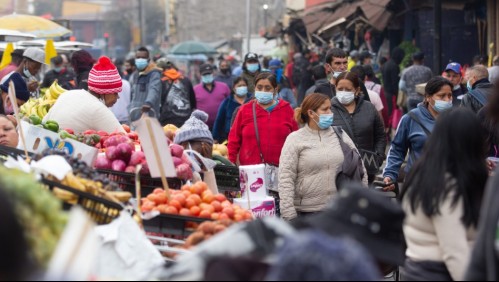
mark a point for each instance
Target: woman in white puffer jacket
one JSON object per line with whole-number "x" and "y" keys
{"x": 310, "y": 160}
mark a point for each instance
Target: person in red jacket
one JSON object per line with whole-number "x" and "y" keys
{"x": 274, "y": 121}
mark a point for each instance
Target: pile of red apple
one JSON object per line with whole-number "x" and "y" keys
{"x": 195, "y": 201}
{"x": 123, "y": 155}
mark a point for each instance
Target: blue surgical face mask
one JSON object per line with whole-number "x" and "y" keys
{"x": 27, "y": 73}
{"x": 207, "y": 79}
{"x": 253, "y": 67}
{"x": 264, "y": 98}
{"x": 469, "y": 86}
{"x": 59, "y": 69}
{"x": 442, "y": 106}
{"x": 325, "y": 121}
{"x": 242, "y": 91}
{"x": 141, "y": 64}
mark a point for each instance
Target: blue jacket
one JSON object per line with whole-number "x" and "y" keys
{"x": 410, "y": 137}
{"x": 287, "y": 95}
{"x": 223, "y": 124}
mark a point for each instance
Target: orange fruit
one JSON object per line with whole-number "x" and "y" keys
{"x": 196, "y": 189}
{"x": 176, "y": 204}
{"x": 162, "y": 208}
{"x": 196, "y": 199}
{"x": 186, "y": 188}
{"x": 185, "y": 212}
{"x": 158, "y": 191}
{"x": 217, "y": 205}
{"x": 248, "y": 215}
{"x": 205, "y": 214}
{"x": 208, "y": 198}
{"x": 186, "y": 194}
{"x": 229, "y": 212}
{"x": 162, "y": 198}
{"x": 238, "y": 218}
{"x": 203, "y": 186}
{"x": 207, "y": 207}
{"x": 226, "y": 204}
{"x": 220, "y": 197}
{"x": 153, "y": 198}
{"x": 189, "y": 203}
{"x": 195, "y": 211}
{"x": 180, "y": 198}
{"x": 224, "y": 216}
{"x": 215, "y": 216}
{"x": 171, "y": 210}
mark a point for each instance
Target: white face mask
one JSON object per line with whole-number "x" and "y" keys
{"x": 345, "y": 97}
{"x": 457, "y": 87}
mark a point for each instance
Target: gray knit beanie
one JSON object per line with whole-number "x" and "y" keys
{"x": 195, "y": 128}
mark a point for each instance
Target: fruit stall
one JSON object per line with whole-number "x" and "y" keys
{"x": 109, "y": 176}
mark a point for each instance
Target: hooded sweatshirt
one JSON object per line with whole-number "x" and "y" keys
{"x": 223, "y": 123}
{"x": 273, "y": 127}
{"x": 410, "y": 137}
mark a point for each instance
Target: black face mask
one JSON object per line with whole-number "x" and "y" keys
{"x": 225, "y": 71}
{"x": 129, "y": 71}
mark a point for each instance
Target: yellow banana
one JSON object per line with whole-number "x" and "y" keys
{"x": 49, "y": 95}
{"x": 65, "y": 195}
{"x": 72, "y": 181}
{"x": 40, "y": 111}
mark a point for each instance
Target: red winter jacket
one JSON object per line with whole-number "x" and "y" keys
{"x": 274, "y": 128}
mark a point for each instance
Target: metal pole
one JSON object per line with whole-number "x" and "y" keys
{"x": 437, "y": 48}
{"x": 248, "y": 25}
{"x": 142, "y": 24}
{"x": 167, "y": 20}
{"x": 265, "y": 17}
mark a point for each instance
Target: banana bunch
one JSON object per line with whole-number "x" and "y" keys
{"x": 54, "y": 91}
{"x": 41, "y": 106}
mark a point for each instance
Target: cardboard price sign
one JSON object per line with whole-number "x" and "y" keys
{"x": 155, "y": 146}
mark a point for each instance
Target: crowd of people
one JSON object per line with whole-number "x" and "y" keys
{"x": 318, "y": 122}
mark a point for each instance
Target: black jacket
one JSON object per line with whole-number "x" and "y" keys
{"x": 82, "y": 80}
{"x": 461, "y": 91}
{"x": 484, "y": 263}
{"x": 482, "y": 86}
{"x": 63, "y": 79}
{"x": 366, "y": 123}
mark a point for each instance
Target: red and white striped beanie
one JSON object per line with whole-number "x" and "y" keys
{"x": 104, "y": 78}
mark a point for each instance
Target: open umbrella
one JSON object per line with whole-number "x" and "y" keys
{"x": 40, "y": 27}
{"x": 193, "y": 48}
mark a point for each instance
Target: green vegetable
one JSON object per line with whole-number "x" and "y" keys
{"x": 35, "y": 120}
{"x": 52, "y": 126}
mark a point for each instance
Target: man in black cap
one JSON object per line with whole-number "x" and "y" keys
{"x": 416, "y": 74}
{"x": 17, "y": 58}
{"x": 251, "y": 69}
{"x": 22, "y": 94}
{"x": 210, "y": 93}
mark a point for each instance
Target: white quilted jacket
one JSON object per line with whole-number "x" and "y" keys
{"x": 309, "y": 162}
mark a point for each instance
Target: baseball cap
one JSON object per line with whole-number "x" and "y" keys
{"x": 275, "y": 64}
{"x": 206, "y": 69}
{"x": 251, "y": 56}
{"x": 35, "y": 54}
{"x": 455, "y": 67}
{"x": 17, "y": 53}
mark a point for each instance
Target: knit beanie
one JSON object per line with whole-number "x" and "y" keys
{"x": 104, "y": 78}
{"x": 195, "y": 128}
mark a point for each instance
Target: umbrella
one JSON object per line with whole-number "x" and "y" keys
{"x": 193, "y": 48}
{"x": 14, "y": 35}
{"x": 40, "y": 27}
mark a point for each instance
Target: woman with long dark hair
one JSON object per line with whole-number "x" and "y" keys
{"x": 82, "y": 62}
{"x": 443, "y": 197}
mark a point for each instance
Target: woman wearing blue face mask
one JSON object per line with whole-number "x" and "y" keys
{"x": 251, "y": 69}
{"x": 361, "y": 121}
{"x": 415, "y": 128}
{"x": 310, "y": 159}
{"x": 274, "y": 120}
{"x": 239, "y": 96}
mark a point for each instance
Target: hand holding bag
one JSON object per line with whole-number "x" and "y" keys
{"x": 271, "y": 171}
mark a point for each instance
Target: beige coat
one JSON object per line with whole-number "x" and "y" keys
{"x": 440, "y": 238}
{"x": 309, "y": 162}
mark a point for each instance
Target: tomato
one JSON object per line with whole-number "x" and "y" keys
{"x": 158, "y": 191}
{"x": 220, "y": 198}
{"x": 126, "y": 128}
{"x": 175, "y": 204}
{"x": 229, "y": 212}
{"x": 185, "y": 212}
{"x": 195, "y": 211}
{"x": 218, "y": 207}
{"x": 171, "y": 210}
{"x": 205, "y": 214}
